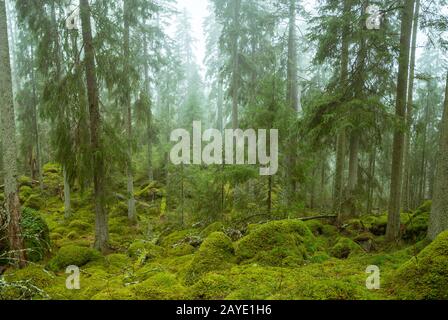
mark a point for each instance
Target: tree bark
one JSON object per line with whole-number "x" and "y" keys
{"x": 12, "y": 202}
{"x": 101, "y": 217}
{"x": 409, "y": 113}
{"x": 128, "y": 112}
{"x": 235, "y": 57}
{"x": 393, "y": 225}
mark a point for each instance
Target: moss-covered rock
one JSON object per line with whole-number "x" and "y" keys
{"x": 161, "y": 286}
{"x": 425, "y": 276}
{"x": 211, "y": 287}
{"x": 73, "y": 255}
{"x": 277, "y": 243}
{"x": 215, "y": 253}
{"x": 344, "y": 248}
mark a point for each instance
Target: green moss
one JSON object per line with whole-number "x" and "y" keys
{"x": 214, "y": 227}
{"x": 25, "y": 181}
{"x": 115, "y": 294}
{"x": 35, "y": 202}
{"x": 146, "y": 248}
{"x": 277, "y": 243}
{"x": 80, "y": 226}
{"x": 161, "y": 286}
{"x": 344, "y": 248}
{"x": 176, "y": 237}
{"x": 215, "y": 253}
{"x": 212, "y": 287}
{"x": 329, "y": 230}
{"x": 73, "y": 235}
{"x": 73, "y": 255}
{"x": 315, "y": 226}
{"x": 181, "y": 250}
{"x": 426, "y": 276}
{"x": 416, "y": 228}
{"x": 319, "y": 257}
{"x": 24, "y": 193}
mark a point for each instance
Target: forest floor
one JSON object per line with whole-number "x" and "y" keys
{"x": 283, "y": 259}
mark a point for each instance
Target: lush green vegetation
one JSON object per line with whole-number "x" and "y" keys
{"x": 281, "y": 259}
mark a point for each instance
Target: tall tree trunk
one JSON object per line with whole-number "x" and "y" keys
{"x": 342, "y": 136}
{"x": 35, "y": 117}
{"x": 12, "y": 202}
{"x": 101, "y": 218}
{"x": 128, "y": 112}
{"x": 236, "y": 65}
{"x": 409, "y": 113}
{"x": 292, "y": 89}
{"x": 149, "y": 111}
{"x": 438, "y": 220}
{"x": 393, "y": 225}
{"x": 292, "y": 99}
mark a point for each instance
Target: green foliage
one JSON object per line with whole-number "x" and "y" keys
{"x": 36, "y": 234}
{"x": 161, "y": 286}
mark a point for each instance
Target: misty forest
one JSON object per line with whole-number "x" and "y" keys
{"x": 355, "y": 206}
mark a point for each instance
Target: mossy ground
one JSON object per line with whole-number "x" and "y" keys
{"x": 286, "y": 259}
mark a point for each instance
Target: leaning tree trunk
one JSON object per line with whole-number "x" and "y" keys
{"x": 393, "y": 225}
{"x": 149, "y": 111}
{"x": 409, "y": 110}
{"x": 12, "y": 202}
{"x": 101, "y": 218}
{"x": 438, "y": 221}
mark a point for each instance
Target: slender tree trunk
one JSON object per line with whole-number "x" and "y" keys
{"x": 128, "y": 113}
{"x": 67, "y": 196}
{"x": 236, "y": 65}
{"x": 35, "y": 120}
{"x": 438, "y": 221}
{"x": 292, "y": 80}
{"x": 292, "y": 98}
{"x": 393, "y": 225}
{"x": 101, "y": 218}
{"x": 342, "y": 136}
{"x": 12, "y": 202}
{"x": 149, "y": 116}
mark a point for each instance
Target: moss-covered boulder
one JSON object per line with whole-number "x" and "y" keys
{"x": 211, "y": 287}
{"x": 425, "y": 276}
{"x": 73, "y": 255}
{"x": 277, "y": 243}
{"x": 215, "y": 253}
{"x": 161, "y": 286}
{"x": 344, "y": 248}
